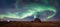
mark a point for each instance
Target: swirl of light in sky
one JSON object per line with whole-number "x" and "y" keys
{"x": 28, "y": 10}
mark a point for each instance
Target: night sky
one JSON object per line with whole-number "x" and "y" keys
{"x": 46, "y": 10}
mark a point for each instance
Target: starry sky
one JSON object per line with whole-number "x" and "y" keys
{"x": 27, "y": 9}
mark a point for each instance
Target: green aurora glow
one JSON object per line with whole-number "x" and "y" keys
{"x": 30, "y": 12}
{"x": 32, "y": 9}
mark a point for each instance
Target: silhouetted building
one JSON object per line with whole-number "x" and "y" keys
{"x": 37, "y": 20}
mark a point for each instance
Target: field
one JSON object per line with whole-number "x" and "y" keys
{"x": 30, "y": 24}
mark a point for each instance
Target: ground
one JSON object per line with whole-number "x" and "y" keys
{"x": 30, "y": 24}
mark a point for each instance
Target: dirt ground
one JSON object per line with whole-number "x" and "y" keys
{"x": 29, "y": 24}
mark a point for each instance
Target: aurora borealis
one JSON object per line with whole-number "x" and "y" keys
{"x": 22, "y": 10}
{"x": 29, "y": 12}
